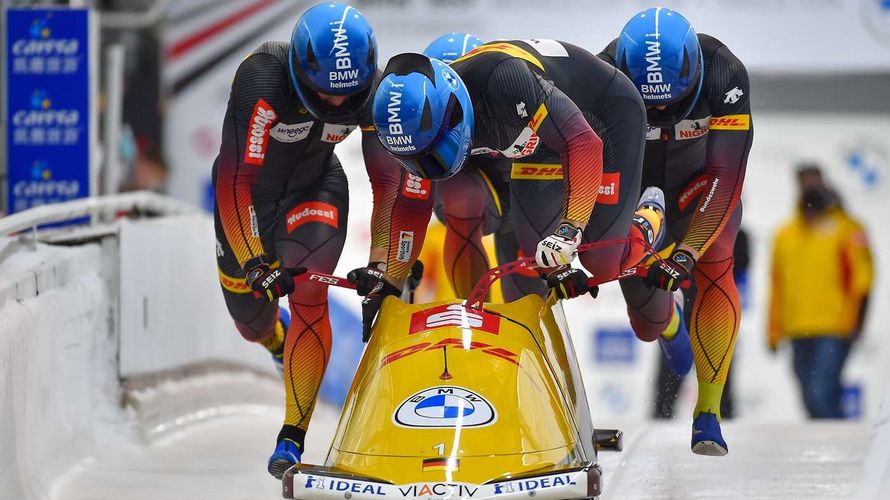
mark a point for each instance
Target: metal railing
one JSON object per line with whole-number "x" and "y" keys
{"x": 99, "y": 208}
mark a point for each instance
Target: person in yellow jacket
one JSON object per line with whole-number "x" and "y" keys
{"x": 821, "y": 279}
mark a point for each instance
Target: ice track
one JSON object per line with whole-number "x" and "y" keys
{"x": 223, "y": 457}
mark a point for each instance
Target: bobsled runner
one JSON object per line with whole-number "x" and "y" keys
{"x": 463, "y": 399}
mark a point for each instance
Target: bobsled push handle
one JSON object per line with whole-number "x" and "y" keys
{"x": 480, "y": 292}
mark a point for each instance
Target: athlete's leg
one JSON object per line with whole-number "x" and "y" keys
{"x": 536, "y": 201}
{"x": 716, "y": 312}
{"x": 463, "y": 201}
{"x": 310, "y": 233}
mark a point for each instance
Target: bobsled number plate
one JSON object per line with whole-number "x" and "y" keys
{"x": 565, "y": 485}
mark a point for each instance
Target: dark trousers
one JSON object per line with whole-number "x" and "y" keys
{"x": 818, "y": 363}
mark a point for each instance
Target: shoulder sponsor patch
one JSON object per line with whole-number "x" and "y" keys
{"x": 652, "y": 133}
{"x": 610, "y": 189}
{"x": 730, "y": 122}
{"x": 538, "y": 117}
{"x": 416, "y": 188}
{"x": 258, "y": 133}
{"x": 335, "y": 133}
{"x": 524, "y": 145}
{"x": 536, "y": 171}
{"x": 313, "y": 211}
{"x": 691, "y": 129}
{"x": 282, "y": 132}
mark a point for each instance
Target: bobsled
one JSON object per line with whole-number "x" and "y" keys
{"x": 463, "y": 399}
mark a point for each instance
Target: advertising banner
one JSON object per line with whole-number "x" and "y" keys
{"x": 48, "y": 96}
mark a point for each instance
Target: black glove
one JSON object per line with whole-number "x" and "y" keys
{"x": 371, "y": 305}
{"x": 270, "y": 283}
{"x": 368, "y": 279}
{"x": 569, "y": 283}
{"x": 669, "y": 274}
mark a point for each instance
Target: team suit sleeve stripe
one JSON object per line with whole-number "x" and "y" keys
{"x": 402, "y": 208}
{"x": 251, "y": 105}
{"x": 729, "y": 141}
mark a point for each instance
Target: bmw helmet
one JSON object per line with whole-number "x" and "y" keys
{"x": 659, "y": 51}
{"x": 450, "y": 46}
{"x": 333, "y": 52}
{"x": 424, "y": 116}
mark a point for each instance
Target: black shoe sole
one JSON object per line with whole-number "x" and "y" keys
{"x": 278, "y": 467}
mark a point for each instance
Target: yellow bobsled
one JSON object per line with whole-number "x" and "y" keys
{"x": 451, "y": 401}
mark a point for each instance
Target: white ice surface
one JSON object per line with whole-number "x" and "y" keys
{"x": 224, "y": 458}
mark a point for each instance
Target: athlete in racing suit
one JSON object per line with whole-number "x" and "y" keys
{"x": 696, "y": 151}
{"x": 282, "y": 199}
{"x": 572, "y": 127}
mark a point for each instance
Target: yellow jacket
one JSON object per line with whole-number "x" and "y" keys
{"x": 820, "y": 274}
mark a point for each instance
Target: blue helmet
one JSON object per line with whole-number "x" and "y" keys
{"x": 450, "y": 46}
{"x": 332, "y": 51}
{"x": 659, "y": 51}
{"x": 423, "y": 115}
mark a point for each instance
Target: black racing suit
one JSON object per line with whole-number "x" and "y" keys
{"x": 282, "y": 194}
{"x": 570, "y": 129}
{"x": 700, "y": 162}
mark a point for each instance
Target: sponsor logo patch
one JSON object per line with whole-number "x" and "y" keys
{"x": 312, "y": 211}
{"x": 733, "y": 96}
{"x": 416, "y": 188}
{"x": 254, "y": 224}
{"x": 691, "y": 129}
{"x": 692, "y": 191}
{"x": 609, "y": 189}
{"x": 406, "y": 245}
{"x": 335, "y": 133}
{"x": 283, "y": 132}
{"x": 730, "y": 122}
{"x": 445, "y": 407}
{"x": 258, "y": 133}
{"x": 652, "y": 133}
{"x": 453, "y": 315}
{"x": 234, "y": 285}
{"x": 536, "y": 171}
{"x": 524, "y": 145}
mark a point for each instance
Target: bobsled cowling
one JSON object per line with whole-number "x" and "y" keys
{"x": 456, "y": 402}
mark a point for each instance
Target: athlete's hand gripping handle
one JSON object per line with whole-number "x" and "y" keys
{"x": 568, "y": 283}
{"x": 559, "y": 248}
{"x": 268, "y": 283}
{"x": 669, "y": 274}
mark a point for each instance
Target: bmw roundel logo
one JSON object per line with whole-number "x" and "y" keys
{"x": 450, "y": 79}
{"x": 445, "y": 407}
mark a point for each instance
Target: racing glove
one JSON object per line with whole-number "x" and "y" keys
{"x": 569, "y": 283}
{"x": 371, "y": 306}
{"x": 269, "y": 283}
{"x": 669, "y": 274}
{"x": 368, "y": 279}
{"x": 559, "y": 248}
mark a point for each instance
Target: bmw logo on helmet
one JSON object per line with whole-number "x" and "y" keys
{"x": 423, "y": 115}
{"x": 333, "y": 52}
{"x": 659, "y": 51}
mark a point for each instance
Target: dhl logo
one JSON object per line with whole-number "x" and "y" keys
{"x": 538, "y": 117}
{"x": 536, "y": 171}
{"x": 234, "y": 285}
{"x": 498, "y": 352}
{"x": 730, "y": 122}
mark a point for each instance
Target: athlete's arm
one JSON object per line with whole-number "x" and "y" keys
{"x": 729, "y": 140}
{"x": 521, "y": 98}
{"x": 249, "y": 117}
{"x": 402, "y": 208}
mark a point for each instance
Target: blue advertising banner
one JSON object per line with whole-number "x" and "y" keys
{"x": 48, "y": 103}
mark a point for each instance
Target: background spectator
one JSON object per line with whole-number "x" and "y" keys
{"x": 821, "y": 281}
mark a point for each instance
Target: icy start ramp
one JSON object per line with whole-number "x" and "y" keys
{"x": 765, "y": 461}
